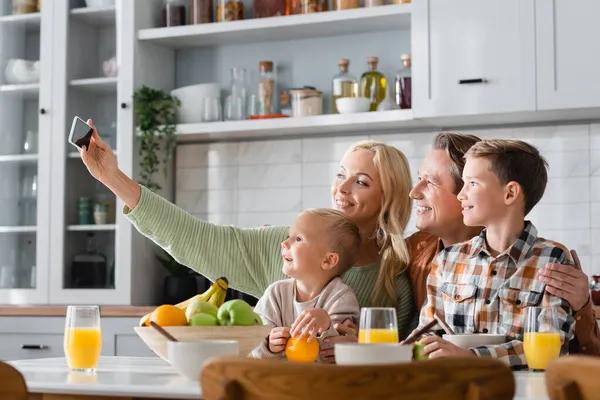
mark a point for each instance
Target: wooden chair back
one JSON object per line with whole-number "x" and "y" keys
{"x": 12, "y": 383}
{"x": 573, "y": 377}
{"x": 237, "y": 378}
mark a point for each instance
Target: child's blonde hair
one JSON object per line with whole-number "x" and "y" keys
{"x": 343, "y": 236}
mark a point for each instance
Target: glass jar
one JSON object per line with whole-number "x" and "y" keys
{"x": 24, "y": 6}
{"x": 373, "y": 84}
{"x": 230, "y": 10}
{"x": 266, "y": 88}
{"x": 308, "y": 6}
{"x": 307, "y": 102}
{"x": 343, "y": 84}
{"x": 173, "y": 13}
{"x": 345, "y": 4}
{"x": 403, "y": 84}
{"x": 375, "y": 3}
{"x": 401, "y": 1}
{"x": 271, "y": 8}
{"x": 201, "y": 12}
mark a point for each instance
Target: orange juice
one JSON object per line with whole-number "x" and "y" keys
{"x": 541, "y": 348}
{"x": 377, "y": 336}
{"x": 82, "y": 347}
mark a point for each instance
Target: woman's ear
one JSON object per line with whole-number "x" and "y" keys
{"x": 330, "y": 261}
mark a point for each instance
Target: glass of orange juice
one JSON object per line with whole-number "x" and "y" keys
{"x": 378, "y": 325}
{"x": 542, "y": 337}
{"x": 83, "y": 338}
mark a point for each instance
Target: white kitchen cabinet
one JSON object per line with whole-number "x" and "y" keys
{"x": 473, "y": 57}
{"x": 568, "y": 54}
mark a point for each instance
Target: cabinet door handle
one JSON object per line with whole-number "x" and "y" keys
{"x": 123, "y": 105}
{"x": 34, "y": 347}
{"x": 42, "y": 111}
{"x": 471, "y": 81}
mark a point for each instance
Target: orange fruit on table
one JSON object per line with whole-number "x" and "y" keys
{"x": 168, "y": 315}
{"x": 301, "y": 350}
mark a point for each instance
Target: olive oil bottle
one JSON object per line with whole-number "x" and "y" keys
{"x": 373, "y": 84}
{"x": 343, "y": 84}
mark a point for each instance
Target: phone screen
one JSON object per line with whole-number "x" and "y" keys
{"x": 81, "y": 133}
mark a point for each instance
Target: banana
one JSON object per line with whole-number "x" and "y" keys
{"x": 215, "y": 294}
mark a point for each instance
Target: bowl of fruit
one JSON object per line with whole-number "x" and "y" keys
{"x": 206, "y": 316}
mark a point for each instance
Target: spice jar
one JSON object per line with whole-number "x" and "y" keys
{"x": 266, "y": 88}
{"x": 24, "y": 6}
{"x": 308, "y": 6}
{"x": 307, "y": 102}
{"x": 230, "y": 10}
{"x": 173, "y": 13}
{"x": 401, "y": 1}
{"x": 375, "y": 3}
{"x": 345, "y": 4}
{"x": 201, "y": 11}
{"x": 271, "y": 8}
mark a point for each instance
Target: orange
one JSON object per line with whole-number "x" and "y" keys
{"x": 168, "y": 315}
{"x": 302, "y": 351}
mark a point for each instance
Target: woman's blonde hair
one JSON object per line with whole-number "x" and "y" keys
{"x": 396, "y": 207}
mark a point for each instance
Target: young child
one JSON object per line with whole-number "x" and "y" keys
{"x": 321, "y": 246}
{"x": 486, "y": 284}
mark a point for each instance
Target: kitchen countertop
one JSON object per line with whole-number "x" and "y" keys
{"x": 61, "y": 311}
{"x": 154, "y": 378}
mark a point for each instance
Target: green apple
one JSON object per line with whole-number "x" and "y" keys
{"x": 418, "y": 352}
{"x": 200, "y": 306}
{"x": 236, "y": 312}
{"x": 202, "y": 319}
{"x": 257, "y": 319}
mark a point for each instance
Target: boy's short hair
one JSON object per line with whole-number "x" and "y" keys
{"x": 518, "y": 161}
{"x": 456, "y": 146}
{"x": 343, "y": 236}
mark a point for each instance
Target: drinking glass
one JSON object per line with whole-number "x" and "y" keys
{"x": 234, "y": 108}
{"x": 212, "y": 109}
{"x": 378, "y": 325}
{"x": 83, "y": 338}
{"x": 541, "y": 341}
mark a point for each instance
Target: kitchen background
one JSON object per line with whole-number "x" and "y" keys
{"x": 248, "y": 184}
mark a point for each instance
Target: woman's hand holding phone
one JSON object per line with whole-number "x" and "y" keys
{"x": 99, "y": 158}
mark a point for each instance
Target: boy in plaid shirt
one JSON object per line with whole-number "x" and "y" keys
{"x": 486, "y": 284}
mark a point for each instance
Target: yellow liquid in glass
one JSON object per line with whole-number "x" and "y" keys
{"x": 541, "y": 348}
{"x": 82, "y": 347}
{"x": 377, "y": 336}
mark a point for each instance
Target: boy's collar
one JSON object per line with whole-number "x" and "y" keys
{"x": 517, "y": 251}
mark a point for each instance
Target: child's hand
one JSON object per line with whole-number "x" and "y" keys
{"x": 278, "y": 339}
{"x": 310, "y": 323}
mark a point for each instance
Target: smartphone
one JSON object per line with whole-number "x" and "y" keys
{"x": 81, "y": 133}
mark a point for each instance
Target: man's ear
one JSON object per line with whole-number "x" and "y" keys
{"x": 330, "y": 261}
{"x": 512, "y": 192}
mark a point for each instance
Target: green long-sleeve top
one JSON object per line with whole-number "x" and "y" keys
{"x": 249, "y": 258}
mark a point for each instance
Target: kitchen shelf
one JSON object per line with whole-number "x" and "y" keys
{"x": 91, "y": 228}
{"x": 30, "y": 21}
{"x": 25, "y": 158}
{"x": 330, "y": 23}
{"x": 18, "y": 229}
{"x": 103, "y": 16}
{"x": 27, "y": 90}
{"x": 102, "y": 85}
{"x": 321, "y": 124}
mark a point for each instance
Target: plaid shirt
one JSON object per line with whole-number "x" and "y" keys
{"x": 477, "y": 293}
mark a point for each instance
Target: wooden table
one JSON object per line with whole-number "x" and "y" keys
{"x": 128, "y": 378}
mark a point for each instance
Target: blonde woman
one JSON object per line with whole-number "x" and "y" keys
{"x": 371, "y": 187}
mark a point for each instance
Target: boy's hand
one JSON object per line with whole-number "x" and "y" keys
{"x": 310, "y": 323}
{"x": 278, "y": 339}
{"x": 436, "y": 347}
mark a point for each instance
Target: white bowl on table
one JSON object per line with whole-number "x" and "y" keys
{"x": 188, "y": 358}
{"x": 469, "y": 340}
{"x": 372, "y": 353}
{"x": 192, "y": 101}
{"x": 351, "y": 105}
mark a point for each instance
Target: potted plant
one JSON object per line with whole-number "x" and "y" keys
{"x": 180, "y": 284}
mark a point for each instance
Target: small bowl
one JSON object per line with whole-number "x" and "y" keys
{"x": 188, "y": 358}
{"x": 351, "y": 105}
{"x": 469, "y": 340}
{"x": 372, "y": 353}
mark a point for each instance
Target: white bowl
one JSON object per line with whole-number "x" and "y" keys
{"x": 468, "y": 340}
{"x": 188, "y": 358}
{"x": 99, "y": 3}
{"x": 372, "y": 353}
{"x": 192, "y": 101}
{"x": 350, "y": 105}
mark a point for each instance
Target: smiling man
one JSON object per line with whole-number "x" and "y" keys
{"x": 440, "y": 224}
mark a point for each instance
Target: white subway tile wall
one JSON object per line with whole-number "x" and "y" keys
{"x": 249, "y": 184}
